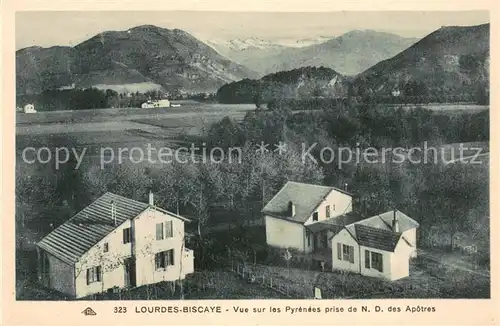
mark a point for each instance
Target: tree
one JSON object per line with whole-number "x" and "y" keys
{"x": 225, "y": 134}
{"x": 132, "y": 182}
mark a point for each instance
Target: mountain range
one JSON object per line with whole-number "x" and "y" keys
{"x": 349, "y": 54}
{"x": 139, "y": 59}
{"x": 452, "y": 60}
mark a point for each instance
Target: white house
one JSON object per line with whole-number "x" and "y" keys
{"x": 320, "y": 221}
{"x": 29, "y": 108}
{"x": 379, "y": 246}
{"x": 156, "y": 104}
{"x": 115, "y": 242}
{"x": 147, "y": 105}
{"x": 296, "y": 206}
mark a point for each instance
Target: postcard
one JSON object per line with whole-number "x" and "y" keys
{"x": 259, "y": 163}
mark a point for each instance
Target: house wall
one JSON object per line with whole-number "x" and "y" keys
{"x": 335, "y": 199}
{"x": 188, "y": 262}
{"x": 148, "y": 246}
{"x": 144, "y": 248}
{"x": 387, "y": 263}
{"x": 344, "y": 237}
{"x": 111, "y": 263}
{"x": 284, "y": 234}
{"x": 411, "y": 236}
{"x": 60, "y": 275}
{"x": 401, "y": 260}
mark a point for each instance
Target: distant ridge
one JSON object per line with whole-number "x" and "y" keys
{"x": 450, "y": 60}
{"x": 349, "y": 54}
{"x": 292, "y": 84}
{"x": 146, "y": 54}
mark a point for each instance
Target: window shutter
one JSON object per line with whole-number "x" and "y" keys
{"x": 157, "y": 260}
{"x": 339, "y": 251}
{"x": 125, "y": 236}
{"x": 169, "y": 231}
{"x": 159, "y": 231}
{"x": 98, "y": 273}
{"x": 171, "y": 252}
{"x": 88, "y": 276}
{"x": 367, "y": 259}
{"x": 351, "y": 254}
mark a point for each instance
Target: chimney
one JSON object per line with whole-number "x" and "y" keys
{"x": 291, "y": 208}
{"x": 395, "y": 223}
{"x": 113, "y": 212}
{"x": 151, "y": 199}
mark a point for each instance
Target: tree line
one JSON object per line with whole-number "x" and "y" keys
{"x": 93, "y": 98}
{"x": 450, "y": 198}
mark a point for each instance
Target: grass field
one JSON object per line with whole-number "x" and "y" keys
{"x": 102, "y": 115}
{"x": 428, "y": 279}
{"x": 122, "y": 128}
{"x": 446, "y": 107}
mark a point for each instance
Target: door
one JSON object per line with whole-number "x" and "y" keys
{"x": 129, "y": 266}
{"x": 325, "y": 239}
{"x": 315, "y": 242}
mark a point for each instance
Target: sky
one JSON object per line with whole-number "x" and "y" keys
{"x": 70, "y": 28}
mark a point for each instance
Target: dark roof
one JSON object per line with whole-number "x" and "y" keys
{"x": 323, "y": 225}
{"x": 84, "y": 230}
{"x": 376, "y": 238}
{"x": 305, "y": 197}
{"x": 335, "y": 224}
{"x": 383, "y": 221}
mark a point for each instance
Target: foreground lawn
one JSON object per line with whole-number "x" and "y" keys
{"x": 427, "y": 279}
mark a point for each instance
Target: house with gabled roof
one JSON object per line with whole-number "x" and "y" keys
{"x": 298, "y": 205}
{"x": 379, "y": 246}
{"x": 115, "y": 242}
{"x": 320, "y": 221}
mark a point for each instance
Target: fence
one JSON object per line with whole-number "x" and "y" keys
{"x": 282, "y": 286}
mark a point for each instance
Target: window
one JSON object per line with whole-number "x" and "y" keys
{"x": 348, "y": 253}
{"x": 169, "y": 229}
{"x": 339, "y": 251}
{"x": 127, "y": 235}
{"x": 159, "y": 231}
{"x": 164, "y": 259}
{"x": 377, "y": 262}
{"x": 333, "y": 206}
{"x": 94, "y": 274}
{"x": 327, "y": 211}
{"x": 367, "y": 259}
{"x": 106, "y": 247}
{"x": 315, "y": 216}
{"x": 308, "y": 235}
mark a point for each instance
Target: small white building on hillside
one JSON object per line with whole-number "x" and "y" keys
{"x": 320, "y": 221}
{"x": 115, "y": 242}
{"x": 155, "y": 104}
{"x": 29, "y": 108}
